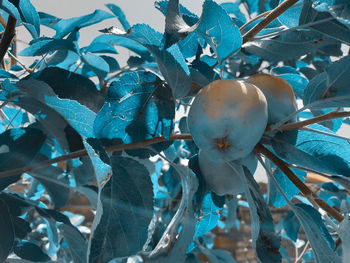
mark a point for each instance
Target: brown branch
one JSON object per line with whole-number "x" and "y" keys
{"x": 304, "y": 189}
{"x": 254, "y": 19}
{"x": 301, "y": 124}
{"x": 10, "y": 32}
{"x": 268, "y": 19}
{"x": 81, "y": 153}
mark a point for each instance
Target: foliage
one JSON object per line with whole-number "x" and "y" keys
{"x": 76, "y": 123}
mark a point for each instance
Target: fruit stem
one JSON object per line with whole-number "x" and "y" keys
{"x": 304, "y": 189}
{"x": 81, "y": 153}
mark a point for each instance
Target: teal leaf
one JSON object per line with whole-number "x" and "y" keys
{"x": 45, "y": 45}
{"x": 30, "y": 251}
{"x": 118, "y": 12}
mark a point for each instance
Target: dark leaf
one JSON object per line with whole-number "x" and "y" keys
{"x": 126, "y": 211}
{"x": 30, "y": 251}
{"x": 97, "y": 64}
{"x": 21, "y": 227}
{"x": 7, "y": 236}
{"x": 265, "y": 240}
{"x": 77, "y": 243}
{"x": 19, "y": 147}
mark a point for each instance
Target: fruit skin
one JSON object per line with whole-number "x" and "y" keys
{"x": 227, "y": 119}
{"x": 220, "y": 177}
{"x": 279, "y": 95}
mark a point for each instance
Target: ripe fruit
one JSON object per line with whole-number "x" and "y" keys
{"x": 279, "y": 95}
{"x": 221, "y": 178}
{"x": 227, "y": 119}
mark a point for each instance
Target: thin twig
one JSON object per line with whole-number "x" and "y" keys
{"x": 304, "y": 189}
{"x": 9, "y": 34}
{"x": 254, "y": 19}
{"x": 300, "y": 257}
{"x": 325, "y": 117}
{"x": 82, "y": 153}
{"x": 19, "y": 62}
{"x": 268, "y": 19}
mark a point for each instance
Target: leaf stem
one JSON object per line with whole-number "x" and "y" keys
{"x": 268, "y": 19}
{"x": 304, "y": 189}
{"x": 8, "y": 36}
{"x": 83, "y": 152}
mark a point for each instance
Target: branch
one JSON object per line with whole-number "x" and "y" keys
{"x": 268, "y": 19}
{"x": 254, "y": 19}
{"x": 8, "y": 36}
{"x": 301, "y": 124}
{"x": 82, "y": 153}
{"x": 304, "y": 189}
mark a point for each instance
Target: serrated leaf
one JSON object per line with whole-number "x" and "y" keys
{"x": 21, "y": 146}
{"x": 315, "y": 151}
{"x": 120, "y": 15}
{"x": 290, "y": 18}
{"x": 30, "y": 251}
{"x": 65, "y": 26}
{"x": 45, "y": 45}
{"x": 266, "y": 242}
{"x": 126, "y": 210}
{"x": 77, "y": 115}
{"x": 138, "y": 107}
{"x": 219, "y": 30}
{"x": 68, "y": 85}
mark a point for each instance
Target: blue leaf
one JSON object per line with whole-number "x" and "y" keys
{"x": 65, "y": 26}
{"x": 100, "y": 48}
{"x": 291, "y": 226}
{"x": 11, "y": 9}
{"x": 6, "y": 74}
{"x": 266, "y": 242}
{"x": 344, "y": 234}
{"x": 138, "y": 107}
{"x": 126, "y": 210}
{"x": 321, "y": 242}
{"x": 340, "y": 9}
{"x": 123, "y": 42}
{"x": 218, "y": 29}
{"x": 313, "y": 150}
{"x": 233, "y": 8}
{"x": 48, "y": 20}
{"x": 330, "y": 88}
{"x": 208, "y": 217}
{"x": 30, "y": 17}
{"x": 45, "y": 45}
{"x": 112, "y": 63}
{"x": 97, "y": 64}
{"x": 275, "y": 198}
{"x": 19, "y": 147}
{"x": 120, "y": 15}
{"x": 30, "y": 251}
{"x": 7, "y": 236}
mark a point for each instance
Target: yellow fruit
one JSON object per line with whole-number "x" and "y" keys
{"x": 227, "y": 119}
{"x": 279, "y": 95}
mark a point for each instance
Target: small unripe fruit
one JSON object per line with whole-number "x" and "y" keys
{"x": 279, "y": 95}
{"x": 227, "y": 119}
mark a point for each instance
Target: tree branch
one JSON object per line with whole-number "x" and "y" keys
{"x": 304, "y": 189}
{"x": 8, "y": 36}
{"x": 301, "y": 124}
{"x": 268, "y": 19}
{"x": 81, "y": 153}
